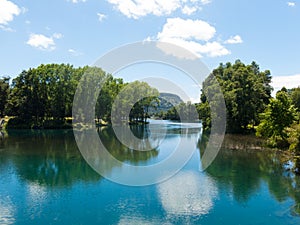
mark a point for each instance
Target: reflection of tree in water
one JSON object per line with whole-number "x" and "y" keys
{"x": 188, "y": 132}
{"x": 146, "y": 140}
{"x": 52, "y": 158}
{"x": 242, "y": 171}
{"x": 49, "y": 158}
{"x": 2, "y": 140}
{"x": 123, "y": 153}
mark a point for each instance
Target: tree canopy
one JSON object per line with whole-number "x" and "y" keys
{"x": 246, "y": 91}
{"x": 279, "y": 114}
{"x": 4, "y": 92}
{"x": 295, "y": 96}
{"x": 43, "y": 96}
{"x": 134, "y": 101}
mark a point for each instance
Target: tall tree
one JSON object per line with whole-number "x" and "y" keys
{"x": 135, "y": 99}
{"x": 246, "y": 92}
{"x": 109, "y": 90}
{"x": 44, "y": 92}
{"x": 184, "y": 112}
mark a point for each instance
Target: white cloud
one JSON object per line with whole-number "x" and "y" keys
{"x": 139, "y": 8}
{"x": 278, "y": 82}
{"x": 5, "y": 28}
{"x": 187, "y": 29}
{"x": 24, "y": 10}
{"x": 193, "y": 35}
{"x": 234, "y": 40}
{"x": 57, "y": 35}
{"x": 210, "y": 49}
{"x": 205, "y": 2}
{"x": 291, "y": 4}
{"x": 101, "y": 16}
{"x": 8, "y": 10}
{"x": 187, "y": 10}
{"x": 43, "y": 42}
{"x": 75, "y": 52}
{"x": 213, "y": 49}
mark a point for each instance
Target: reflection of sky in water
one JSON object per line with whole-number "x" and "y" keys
{"x": 65, "y": 191}
{"x": 188, "y": 193}
{"x": 7, "y": 212}
{"x": 36, "y": 197}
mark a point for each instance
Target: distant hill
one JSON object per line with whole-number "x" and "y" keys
{"x": 167, "y": 101}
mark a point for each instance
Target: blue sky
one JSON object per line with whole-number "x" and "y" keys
{"x": 80, "y": 31}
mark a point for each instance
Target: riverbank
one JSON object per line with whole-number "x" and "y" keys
{"x": 66, "y": 123}
{"x": 235, "y": 142}
{"x": 18, "y": 123}
{"x": 251, "y": 143}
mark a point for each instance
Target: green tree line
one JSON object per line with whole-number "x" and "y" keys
{"x": 250, "y": 106}
{"x": 280, "y": 121}
{"x": 184, "y": 112}
{"x": 42, "y": 97}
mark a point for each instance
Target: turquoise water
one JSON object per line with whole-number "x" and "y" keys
{"x": 45, "y": 180}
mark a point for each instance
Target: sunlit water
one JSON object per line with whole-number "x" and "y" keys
{"x": 45, "y": 180}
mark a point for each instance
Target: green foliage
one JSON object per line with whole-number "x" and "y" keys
{"x": 295, "y": 96}
{"x": 21, "y": 123}
{"x": 293, "y": 133}
{"x": 42, "y": 97}
{"x": 278, "y": 116}
{"x": 135, "y": 98}
{"x": 92, "y": 81}
{"x": 204, "y": 113}
{"x": 108, "y": 93}
{"x": 184, "y": 112}
{"x": 4, "y": 92}
{"x": 246, "y": 92}
{"x": 44, "y": 92}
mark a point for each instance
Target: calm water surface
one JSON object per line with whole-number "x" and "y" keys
{"x": 45, "y": 180}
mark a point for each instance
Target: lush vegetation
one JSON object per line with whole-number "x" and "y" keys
{"x": 280, "y": 121}
{"x": 4, "y": 91}
{"x": 135, "y": 98}
{"x": 172, "y": 107}
{"x": 246, "y": 91}
{"x": 184, "y": 112}
{"x": 250, "y": 106}
{"x": 42, "y": 97}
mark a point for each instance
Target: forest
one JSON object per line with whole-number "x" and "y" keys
{"x": 250, "y": 106}
{"x": 42, "y": 97}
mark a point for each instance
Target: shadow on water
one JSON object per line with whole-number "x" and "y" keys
{"x": 242, "y": 169}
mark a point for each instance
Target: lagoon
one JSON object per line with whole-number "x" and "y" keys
{"x": 45, "y": 180}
